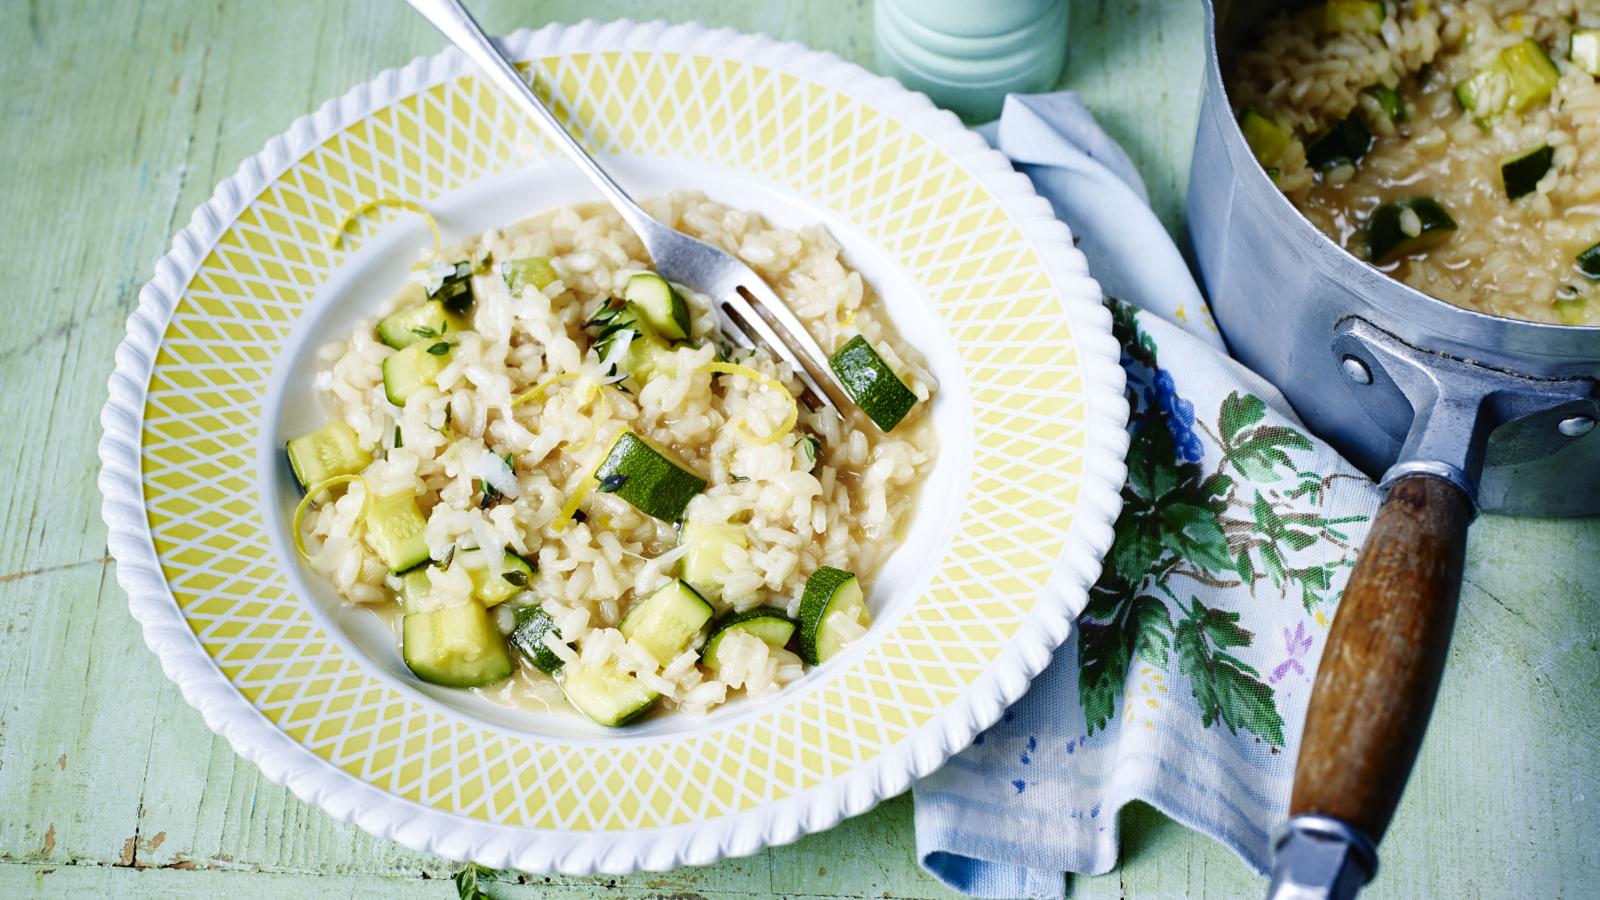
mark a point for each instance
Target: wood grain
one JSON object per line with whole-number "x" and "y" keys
{"x": 1381, "y": 667}
{"x": 120, "y": 117}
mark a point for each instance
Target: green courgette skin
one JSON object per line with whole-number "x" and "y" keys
{"x": 1521, "y": 173}
{"x": 1348, "y": 141}
{"x": 824, "y": 588}
{"x": 1387, "y": 241}
{"x": 871, "y": 383}
{"x": 533, "y": 623}
{"x": 1589, "y": 262}
{"x": 769, "y": 623}
{"x": 645, "y": 477}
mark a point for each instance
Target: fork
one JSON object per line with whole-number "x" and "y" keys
{"x": 748, "y": 312}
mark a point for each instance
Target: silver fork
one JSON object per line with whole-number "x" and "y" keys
{"x": 747, "y": 310}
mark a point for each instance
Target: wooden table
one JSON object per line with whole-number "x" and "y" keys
{"x": 118, "y": 120}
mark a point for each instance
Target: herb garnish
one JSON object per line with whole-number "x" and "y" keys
{"x": 612, "y": 483}
{"x": 423, "y": 331}
{"x": 812, "y": 444}
{"x": 439, "y": 349}
{"x": 399, "y": 441}
{"x": 517, "y": 579}
{"x": 467, "y": 883}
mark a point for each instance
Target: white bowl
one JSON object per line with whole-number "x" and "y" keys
{"x": 974, "y": 269}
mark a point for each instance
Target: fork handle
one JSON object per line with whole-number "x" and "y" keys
{"x": 457, "y": 25}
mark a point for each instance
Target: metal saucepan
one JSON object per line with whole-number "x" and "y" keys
{"x": 1453, "y": 411}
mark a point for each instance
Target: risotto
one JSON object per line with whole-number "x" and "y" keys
{"x": 1454, "y": 145}
{"x": 545, "y": 464}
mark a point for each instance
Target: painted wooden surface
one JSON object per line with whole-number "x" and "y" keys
{"x": 118, "y": 120}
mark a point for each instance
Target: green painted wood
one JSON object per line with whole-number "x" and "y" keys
{"x": 121, "y": 117}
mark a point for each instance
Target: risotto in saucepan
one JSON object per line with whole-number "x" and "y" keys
{"x": 1453, "y": 143}
{"x": 545, "y": 464}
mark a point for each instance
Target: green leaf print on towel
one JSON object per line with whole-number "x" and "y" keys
{"x": 1229, "y": 507}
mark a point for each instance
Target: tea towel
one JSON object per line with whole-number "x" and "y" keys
{"x": 1185, "y": 682}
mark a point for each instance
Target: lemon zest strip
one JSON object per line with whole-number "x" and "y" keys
{"x": 788, "y": 420}
{"x": 538, "y": 391}
{"x": 305, "y": 504}
{"x": 337, "y": 236}
{"x": 579, "y": 494}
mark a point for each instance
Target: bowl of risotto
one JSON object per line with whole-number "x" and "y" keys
{"x": 544, "y": 468}
{"x": 457, "y": 519}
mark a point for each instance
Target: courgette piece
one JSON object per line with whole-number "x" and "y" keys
{"x": 1345, "y": 142}
{"x": 407, "y": 371}
{"x": 1589, "y": 262}
{"x": 1388, "y": 234}
{"x": 607, "y": 694}
{"x": 772, "y": 625}
{"x": 533, "y": 270}
{"x": 455, "y": 289}
{"x": 428, "y": 321}
{"x": 667, "y": 621}
{"x": 528, "y": 637}
{"x": 1267, "y": 139}
{"x": 646, "y": 349}
{"x": 647, "y": 477}
{"x": 1584, "y": 50}
{"x": 457, "y": 646}
{"x": 661, "y": 306}
{"x": 1573, "y": 310}
{"x": 1521, "y": 76}
{"x": 832, "y": 599}
{"x": 1389, "y": 100}
{"x": 1353, "y": 15}
{"x": 703, "y": 563}
{"x": 1521, "y": 173}
{"x": 871, "y": 383}
{"x": 416, "y": 589}
{"x": 491, "y": 588}
{"x": 394, "y": 529}
{"x": 329, "y": 451}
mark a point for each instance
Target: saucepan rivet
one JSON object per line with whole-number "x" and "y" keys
{"x": 1357, "y": 371}
{"x": 1576, "y": 426}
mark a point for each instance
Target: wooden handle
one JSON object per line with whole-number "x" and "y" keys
{"x": 1386, "y": 651}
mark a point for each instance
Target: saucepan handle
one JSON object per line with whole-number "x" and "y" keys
{"x": 1375, "y": 689}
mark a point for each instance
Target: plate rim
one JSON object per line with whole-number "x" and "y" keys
{"x": 310, "y": 778}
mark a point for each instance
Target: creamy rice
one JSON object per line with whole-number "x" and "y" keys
{"x": 1507, "y": 257}
{"x": 847, "y": 507}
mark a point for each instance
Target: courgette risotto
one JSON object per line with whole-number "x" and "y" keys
{"x": 1454, "y": 145}
{"x": 565, "y": 487}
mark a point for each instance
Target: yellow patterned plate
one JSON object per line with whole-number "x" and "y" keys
{"x": 974, "y": 268}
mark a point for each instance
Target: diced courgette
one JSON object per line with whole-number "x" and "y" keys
{"x": 1521, "y": 76}
{"x": 394, "y": 529}
{"x": 1572, "y": 310}
{"x": 1584, "y": 50}
{"x": 647, "y": 477}
{"x": 325, "y": 453}
{"x": 458, "y": 646}
{"x": 416, "y": 591}
{"x": 770, "y": 624}
{"x": 533, "y": 623}
{"x": 667, "y": 621}
{"x": 1521, "y": 173}
{"x": 407, "y": 371}
{"x": 1406, "y": 226}
{"x": 704, "y": 564}
{"x": 607, "y": 694}
{"x": 662, "y": 307}
{"x": 647, "y": 350}
{"x": 1345, "y": 142}
{"x": 1389, "y": 100}
{"x": 533, "y": 270}
{"x": 1353, "y": 15}
{"x": 424, "y": 322}
{"x": 832, "y": 610}
{"x": 1267, "y": 139}
{"x": 492, "y": 588}
{"x": 455, "y": 289}
{"x": 1589, "y": 262}
{"x": 871, "y": 383}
